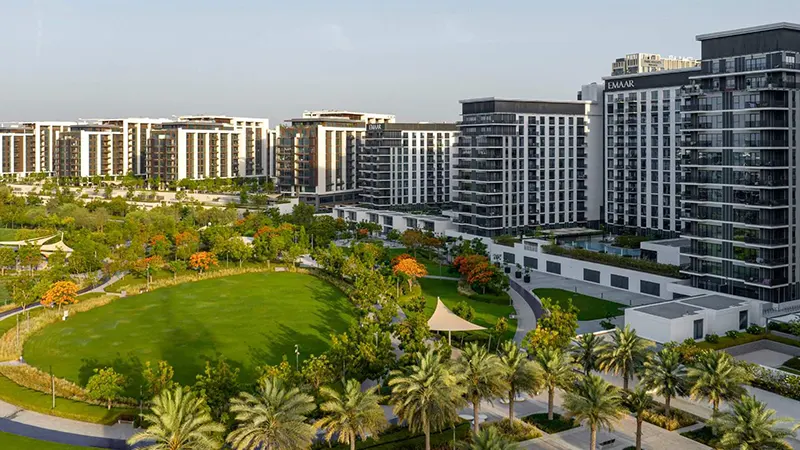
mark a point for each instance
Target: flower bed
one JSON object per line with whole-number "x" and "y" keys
{"x": 779, "y": 382}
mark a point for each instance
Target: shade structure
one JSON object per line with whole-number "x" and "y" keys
{"x": 445, "y": 320}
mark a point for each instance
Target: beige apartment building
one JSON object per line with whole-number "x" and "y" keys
{"x": 135, "y": 135}
{"x": 650, "y": 62}
{"x": 90, "y": 149}
{"x": 193, "y": 150}
{"x": 17, "y": 150}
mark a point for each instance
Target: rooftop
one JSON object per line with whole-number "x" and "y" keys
{"x": 714, "y": 301}
{"x": 749, "y": 30}
{"x": 670, "y": 310}
{"x": 678, "y": 242}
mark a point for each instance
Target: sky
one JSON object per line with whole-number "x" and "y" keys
{"x": 71, "y": 59}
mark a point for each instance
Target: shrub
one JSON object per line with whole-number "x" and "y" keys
{"x": 781, "y": 383}
{"x": 516, "y": 431}
{"x": 678, "y": 419}
{"x": 641, "y": 265}
{"x": 712, "y": 338}
{"x": 733, "y": 334}
{"x": 755, "y": 329}
{"x": 557, "y": 425}
{"x": 703, "y": 435}
{"x": 793, "y": 363}
{"x": 607, "y": 325}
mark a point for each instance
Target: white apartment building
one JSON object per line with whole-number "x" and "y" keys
{"x": 17, "y": 150}
{"x": 46, "y": 137}
{"x": 406, "y": 165}
{"x": 193, "y": 150}
{"x": 255, "y": 156}
{"x": 135, "y": 135}
{"x": 316, "y": 155}
{"x": 522, "y": 164}
{"x": 88, "y": 150}
{"x": 650, "y": 62}
{"x": 642, "y": 149}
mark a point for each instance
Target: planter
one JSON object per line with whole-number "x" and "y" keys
{"x": 518, "y": 275}
{"x": 526, "y": 278}
{"x": 507, "y": 269}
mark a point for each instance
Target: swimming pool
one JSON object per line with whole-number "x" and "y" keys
{"x": 608, "y": 248}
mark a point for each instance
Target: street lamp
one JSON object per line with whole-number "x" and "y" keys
{"x": 297, "y": 357}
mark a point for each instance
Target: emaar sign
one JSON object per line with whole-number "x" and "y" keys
{"x": 620, "y": 84}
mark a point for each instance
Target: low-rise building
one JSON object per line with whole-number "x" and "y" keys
{"x": 394, "y": 220}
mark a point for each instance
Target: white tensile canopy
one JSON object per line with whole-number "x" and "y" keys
{"x": 445, "y": 320}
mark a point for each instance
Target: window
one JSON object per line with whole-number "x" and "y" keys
{"x": 698, "y": 329}
{"x": 743, "y": 322}
{"x": 618, "y": 281}
{"x": 554, "y": 267}
{"x": 509, "y": 258}
{"x": 650, "y": 288}
{"x": 531, "y": 263}
{"x": 591, "y": 275}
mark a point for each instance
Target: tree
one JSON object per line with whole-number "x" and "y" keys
{"x": 105, "y": 385}
{"x": 482, "y": 376}
{"x": 482, "y": 275}
{"x": 750, "y": 425}
{"x": 144, "y": 267}
{"x": 638, "y": 402}
{"x": 217, "y": 385}
{"x": 272, "y": 419}
{"x": 585, "y": 351}
{"x": 186, "y": 243}
{"x": 410, "y": 268}
{"x": 178, "y": 420}
{"x": 624, "y": 355}
{"x": 61, "y": 293}
{"x": 317, "y": 371}
{"x": 158, "y": 379}
{"x": 8, "y": 258}
{"x": 556, "y": 328}
{"x": 352, "y": 414}
{"x": 160, "y": 245}
{"x": 664, "y": 374}
{"x": 29, "y": 255}
{"x": 426, "y": 395}
{"x": 464, "y": 310}
{"x": 175, "y": 267}
{"x": 490, "y": 439}
{"x": 556, "y": 370}
{"x": 499, "y": 329}
{"x": 716, "y": 376}
{"x": 239, "y": 250}
{"x": 413, "y": 240}
{"x": 202, "y": 261}
{"x": 393, "y": 235}
{"x": 595, "y": 402}
{"x": 292, "y": 254}
{"x": 519, "y": 374}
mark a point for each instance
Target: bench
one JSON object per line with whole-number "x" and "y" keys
{"x": 607, "y": 443}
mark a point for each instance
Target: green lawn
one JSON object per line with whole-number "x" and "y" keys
{"x": 8, "y": 234}
{"x": 486, "y": 314}
{"x": 14, "y": 442}
{"x": 589, "y": 308}
{"x": 5, "y": 294}
{"x": 251, "y": 320}
{"x": 10, "y": 322}
{"x": 40, "y": 402}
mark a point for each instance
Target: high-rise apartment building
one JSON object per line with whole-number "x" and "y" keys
{"x": 88, "y": 150}
{"x": 521, "y": 164}
{"x": 135, "y": 135}
{"x": 649, "y": 62}
{"x": 255, "y": 156}
{"x": 193, "y": 150}
{"x": 642, "y": 146}
{"x": 406, "y": 165}
{"x": 17, "y": 150}
{"x": 316, "y": 155}
{"x": 46, "y": 136}
{"x": 740, "y": 163}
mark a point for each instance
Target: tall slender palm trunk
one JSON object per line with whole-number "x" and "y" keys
{"x": 638, "y": 432}
{"x": 476, "y": 405}
{"x": 593, "y": 438}
{"x": 511, "y": 406}
{"x": 666, "y": 406}
{"x": 551, "y": 393}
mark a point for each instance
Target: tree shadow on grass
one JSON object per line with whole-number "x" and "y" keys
{"x": 130, "y": 367}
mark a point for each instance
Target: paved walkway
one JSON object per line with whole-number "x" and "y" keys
{"x": 547, "y": 280}
{"x": 101, "y": 288}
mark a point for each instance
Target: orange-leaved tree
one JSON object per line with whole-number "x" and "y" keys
{"x": 481, "y": 274}
{"x": 61, "y": 293}
{"x": 202, "y": 261}
{"x": 410, "y": 268}
{"x": 399, "y": 258}
{"x": 144, "y": 267}
{"x": 186, "y": 244}
{"x": 464, "y": 264}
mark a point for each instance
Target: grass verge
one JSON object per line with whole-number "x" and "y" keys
{"x": 557, "y": 425}
{"x": 589, "y": 308}
{"x": 14, "y": 442}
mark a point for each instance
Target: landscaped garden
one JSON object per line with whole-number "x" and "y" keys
{"x": 589, "y": 308}
{"x": 251, "y": 320}
{"x": 14, "y": 442}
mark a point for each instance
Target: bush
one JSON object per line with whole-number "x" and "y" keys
{"x": 630, "y": 241}
{"x": 703, "y": 435}
{"x": 788, "y": 328}
{"x": 678, "y": 419}
{"x": 641, "y": 265}
{"x": 517, "y": 431}
{"x": 793, "y": 363}
{"x": 712, "y": 338}
{"x": 781, "y": 383}
{"x": 733, "y": 334}
{"x": 557, "y": 425}
{"x": 607, "y": 325}
{"x": 755, "y": 329}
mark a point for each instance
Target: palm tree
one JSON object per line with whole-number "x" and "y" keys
{"x": 638, "y": 402}
{"x": 489, "y": 439}
{"x": 664, "y": 374}
{"x": 519, "y": 374}
{"x": 595, "y": 402}
{"x": 584, "y": 351}
{"x": 624, "y": 355}
{"x": 273, "y": 419}
{"x": 716, "y": 377}
{"x": 556, "y": 370}
{"x": 482, "y": 376}
{"x": 750, "y": 425}
{"x": 426, "y": 395}
{"x": 352, "y": 414}
{"x": 179, "y": 421}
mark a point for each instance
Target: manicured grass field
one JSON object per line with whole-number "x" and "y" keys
{"x": 8, "y": 234}
{"x": 5, "y": 295}
{"x": 14, "y": 442}
{"x": 10, "y": 322}
{"x": 250, "y": 319}
{"x": 589, "y": 308}
{"x": 486, "y": 314}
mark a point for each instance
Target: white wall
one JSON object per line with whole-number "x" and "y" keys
{"x": 650, "y": 327}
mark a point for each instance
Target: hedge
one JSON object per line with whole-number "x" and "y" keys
{"x": 640, "y": 265}
{"x": 400, "y": 438}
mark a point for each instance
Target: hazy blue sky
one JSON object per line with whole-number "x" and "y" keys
{"x": 64, "y": 59}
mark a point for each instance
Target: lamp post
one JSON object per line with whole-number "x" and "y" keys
{"x": 297, "y": 357}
